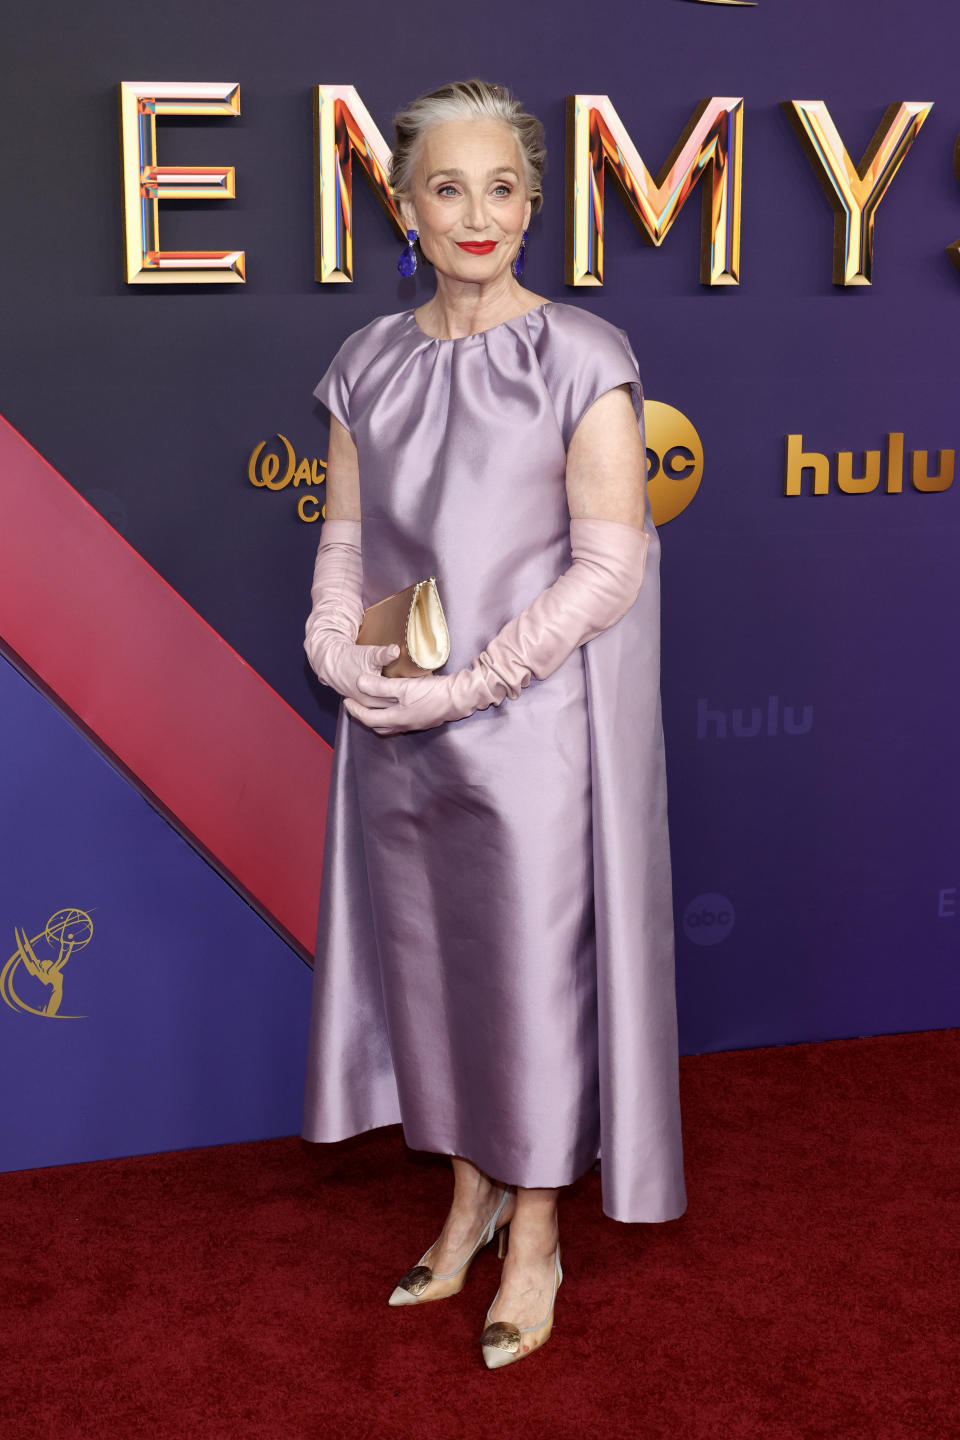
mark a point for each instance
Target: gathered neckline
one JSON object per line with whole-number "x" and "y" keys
{"x": 476, "y": 334}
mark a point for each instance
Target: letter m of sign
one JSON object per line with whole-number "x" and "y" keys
{"x": 712, "y": 141}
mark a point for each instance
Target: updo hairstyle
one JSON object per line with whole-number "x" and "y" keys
{"x": 466, "y": 100}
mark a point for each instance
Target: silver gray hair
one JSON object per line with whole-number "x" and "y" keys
{"x": 467, "y": 99}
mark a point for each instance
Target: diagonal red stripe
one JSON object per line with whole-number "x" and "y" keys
{"x": 192, "y": 722}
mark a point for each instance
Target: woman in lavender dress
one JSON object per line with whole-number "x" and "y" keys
{"x": 495, "y": 955}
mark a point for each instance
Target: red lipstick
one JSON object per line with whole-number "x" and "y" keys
{"x": 477, "y": 247}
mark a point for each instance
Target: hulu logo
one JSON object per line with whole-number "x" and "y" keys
{"x": 879, "y": 470}
{"x": 743, "y": 723}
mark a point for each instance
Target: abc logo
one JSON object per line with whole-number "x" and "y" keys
{"x": 708, "y": 919}
{"x": 674, "y": 460}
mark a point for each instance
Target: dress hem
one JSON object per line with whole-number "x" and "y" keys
{"x": 648, "y": 1219}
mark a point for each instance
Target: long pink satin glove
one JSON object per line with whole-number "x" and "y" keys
{"x": 597, "y": 589}
{"x": 350, "y": 669}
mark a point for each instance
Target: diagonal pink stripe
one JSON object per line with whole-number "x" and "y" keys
{"x": 192, "y": 722}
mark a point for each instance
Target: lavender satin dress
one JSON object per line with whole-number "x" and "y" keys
{"x": 495, "y": 960}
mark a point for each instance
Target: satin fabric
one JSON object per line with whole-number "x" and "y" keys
{"x": 495, "y": 949}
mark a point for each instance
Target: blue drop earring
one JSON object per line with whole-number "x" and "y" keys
{"x": 407, "y": 264}
{"x": 520, "y": 257}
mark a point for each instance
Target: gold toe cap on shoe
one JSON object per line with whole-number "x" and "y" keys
{"x": 501, "y": 1336}
{"x": 412, "y": 1285}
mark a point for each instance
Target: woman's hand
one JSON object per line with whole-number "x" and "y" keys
{"x": 419, "y": 703}
{"x": 354, "y": 670}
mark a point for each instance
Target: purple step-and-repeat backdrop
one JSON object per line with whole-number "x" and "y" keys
{"x": 810, "y": 584}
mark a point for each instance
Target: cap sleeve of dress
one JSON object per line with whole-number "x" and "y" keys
{"x": 587, "y": 356}
{"x": 334, "y": 388}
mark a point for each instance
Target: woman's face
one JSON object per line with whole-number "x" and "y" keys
{"x": 469, "y": 191}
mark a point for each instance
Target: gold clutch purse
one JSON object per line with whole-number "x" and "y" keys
{"x": 413, "y": 619}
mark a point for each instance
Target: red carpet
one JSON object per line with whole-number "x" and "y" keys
{"x": 811, "y": 1290}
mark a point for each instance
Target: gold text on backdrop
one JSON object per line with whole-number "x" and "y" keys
{"x": 888, "y": 464}
{"x": 343, "y": 129}
{"x": 145, "y": 182}
{"x": 712, "y": 141}
{"x": 855, "y": 191}
{"x": 674, "y": 460}
{"x": 954, "y": 250}
{"x": 268, "y": 470}
{"x": 709, "y": 149}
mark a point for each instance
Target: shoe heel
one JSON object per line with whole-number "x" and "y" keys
{"x": 502, "y": 1241}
